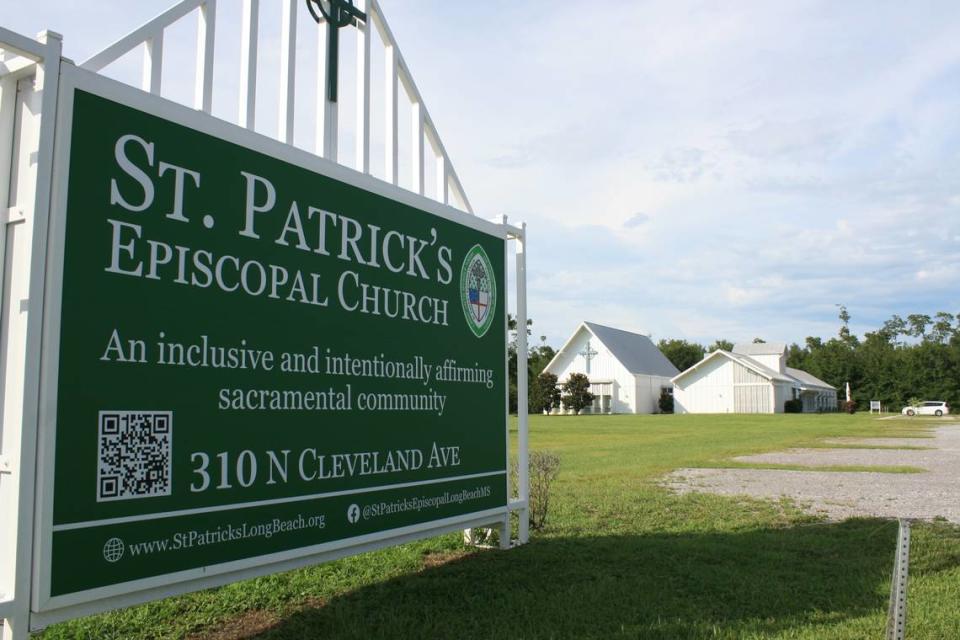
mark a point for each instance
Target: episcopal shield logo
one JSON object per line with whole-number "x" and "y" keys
{"x": 478, "y": 290}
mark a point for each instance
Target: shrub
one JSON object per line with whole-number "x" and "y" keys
{"x": 850, "y": 406}
{"x": 793, "y": 406}
{"x": 666, "y": 401}
{"x": 544, "y": 394}
{"x": 577, "y": 392}
{"x": 544, "y": 467}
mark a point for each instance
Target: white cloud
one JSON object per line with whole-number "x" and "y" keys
{"x": 688, "y": 169}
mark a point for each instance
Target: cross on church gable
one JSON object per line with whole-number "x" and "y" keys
{"x": 588, "y": 354}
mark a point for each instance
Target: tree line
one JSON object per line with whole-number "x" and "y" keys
{"x": 902, "y": 361}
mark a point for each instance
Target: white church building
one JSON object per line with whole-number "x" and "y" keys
{"x": 627, "y": 371}
{"x": 752, "y": 378}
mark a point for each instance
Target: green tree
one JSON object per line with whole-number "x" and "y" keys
{"x": 883, "y": 366}
{"x": 681, "y": 353}
{"x": 894, "y": 328}
{"x": 845, "y": 336}
{"x": 538, "y": 357}
{"x": 576, "y": 392}
{"x": 797, "y": 356}
{"x": 544, "y": 393}
{"x": 665, "y": 403}
{"x": 918, "y": 323}
{"x": 942, "y": 330}
{"x": 723, "y": 345}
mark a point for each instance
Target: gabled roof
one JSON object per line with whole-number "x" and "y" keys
{"x": 807, "y": 380}
{"x": 634, "y": 351}
{"x": 760, "y": 348}
{"x": 746, "y": 361}
{"x": 796, "y": 376}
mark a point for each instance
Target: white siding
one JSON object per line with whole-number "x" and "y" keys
{"x": 725, "y": 386}
{"x": 709, "y": 389}
{"x": 648, "y": 389}
{"x": 630, "y": 393}
{"x": 603, "y": 368}
{"x": 784, "y": 392}
{"x": 751, "y": 398}
{"x": 624, "y": 398}
{"x": 777, "y": 362}
{"x": 722, "y": 385}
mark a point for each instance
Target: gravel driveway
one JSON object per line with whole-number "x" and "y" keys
{"x": 839, "y": 494}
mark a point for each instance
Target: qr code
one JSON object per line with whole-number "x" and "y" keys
{"x": 134, "y": 454}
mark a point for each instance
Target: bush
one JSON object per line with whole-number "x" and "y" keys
{"x": 544, "y": 394}
{"x": 793, "y": 406}
{"x": 576, "y": 391}
{"x": 666, "y": 401}
{"x": 544, "y": 467}
{"x": 850, "y": 406}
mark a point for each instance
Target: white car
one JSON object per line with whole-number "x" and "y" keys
{"x": 928, "y": 408}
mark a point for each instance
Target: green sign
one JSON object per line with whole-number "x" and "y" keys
{"x": 258, "y": 359}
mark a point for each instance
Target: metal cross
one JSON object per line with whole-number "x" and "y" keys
{"x": 588, "y": 354}
{"x": 337, "y": 14}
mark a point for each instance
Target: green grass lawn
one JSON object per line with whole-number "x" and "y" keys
{"x": 620, "y": 557}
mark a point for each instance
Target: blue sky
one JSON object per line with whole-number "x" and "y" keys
{"x": 696, "y": 170}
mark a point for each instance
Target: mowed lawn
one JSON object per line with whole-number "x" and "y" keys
{"x": 620, "y": 557}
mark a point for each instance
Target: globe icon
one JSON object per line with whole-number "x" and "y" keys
{"x": 113, "y": 550}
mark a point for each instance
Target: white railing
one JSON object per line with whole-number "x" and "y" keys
{"x": 29, "y": 77}
{"x": 150, "y": 36}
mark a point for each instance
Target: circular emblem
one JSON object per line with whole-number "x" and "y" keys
{"x": 113, "y": 550}
{"x": 353, "y": 514}
{"x": 478, "y": 290}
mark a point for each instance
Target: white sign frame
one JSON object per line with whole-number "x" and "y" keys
{"x": 46, "y": 272}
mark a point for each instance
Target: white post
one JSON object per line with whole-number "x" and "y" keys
{"x": 416, "y": 109}
{"x": 523, "y": 453}
{"x": 153, "y": 63}
{"x": 443, "y": 190}
{"x": 248, "y": 62}
{"x": 22, "y": 331}
{"x": 391, "y": 135}
{"x": 364, "y": 31}
{"x": 9, "y": 432}
{"x": 288, "y": 70}
{"x": 203, "y": 89}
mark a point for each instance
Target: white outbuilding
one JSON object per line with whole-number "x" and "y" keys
{"x": 627, "y": 371}
{"x": 752, "y": 378}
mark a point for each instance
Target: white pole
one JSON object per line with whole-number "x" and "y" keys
{"x": 153, "y": 63}
{"x": 248, "y": 62}
{"x": 416, "y": 117}
{"x": 364, "y": 32}
{"x": 288, "y": 71}
{"x": 391, "y": 137}
{"x": 523, "y": 453}
{"x": 22, "y": 401}
{"x": 443, "y": 191}
{"x": 203, "y": 89}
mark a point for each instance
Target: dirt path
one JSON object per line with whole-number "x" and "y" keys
{"x": 839, "y": 495}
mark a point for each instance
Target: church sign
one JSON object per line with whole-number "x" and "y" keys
{"x": 256, "y": 358}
